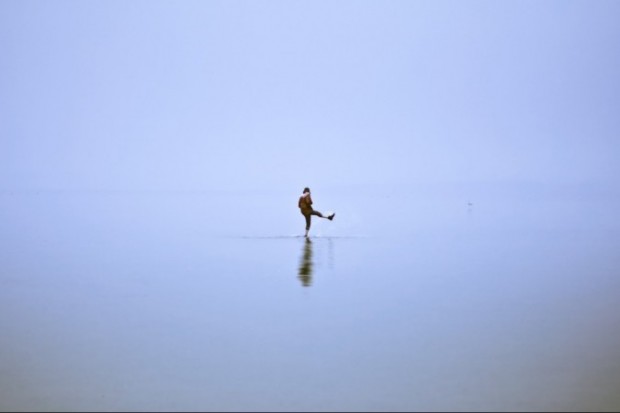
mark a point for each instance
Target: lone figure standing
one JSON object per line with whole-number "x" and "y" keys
{"x": 305, "y": 205}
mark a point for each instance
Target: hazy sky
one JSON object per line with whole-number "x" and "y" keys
{"x": 279, "y": 94}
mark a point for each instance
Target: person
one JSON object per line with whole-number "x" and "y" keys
{"x": 305, "y": 206}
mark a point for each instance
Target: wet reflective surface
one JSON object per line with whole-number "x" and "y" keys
{"x": 185, "y": 301}
{"x": 306, "y": 265}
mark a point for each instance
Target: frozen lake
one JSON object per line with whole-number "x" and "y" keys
{"x": 214, "y": 301}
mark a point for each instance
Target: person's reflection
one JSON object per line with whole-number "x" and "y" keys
{"x": 306, "y": 264}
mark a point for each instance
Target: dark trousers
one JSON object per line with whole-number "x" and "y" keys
{"x": 308, "y": 216}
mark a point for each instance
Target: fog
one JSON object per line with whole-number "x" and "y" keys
{"x": 151, "y": 249}
{"x": 272, "y": 95}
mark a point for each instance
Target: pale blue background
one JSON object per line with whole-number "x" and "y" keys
{"x": 278, "y": 94}
{"x": 151, "y": 249}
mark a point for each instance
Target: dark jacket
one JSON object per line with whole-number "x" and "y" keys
{"x": 305, "y": 203}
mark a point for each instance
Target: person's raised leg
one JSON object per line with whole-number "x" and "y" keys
{"x": 317, "y": 213}
{"x": 330, "y": 216}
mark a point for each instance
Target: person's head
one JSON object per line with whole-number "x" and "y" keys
{"x": 306, "y": 190}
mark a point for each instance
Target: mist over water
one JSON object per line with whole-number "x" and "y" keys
{"x": 204, "y": 301}
{"x": 152, "y": 253}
